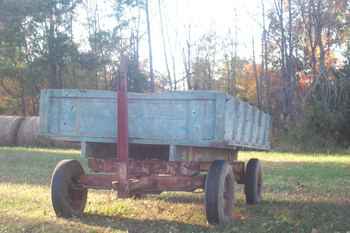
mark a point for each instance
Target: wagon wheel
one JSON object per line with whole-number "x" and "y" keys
{"x": 253, "y": 182}
{"x": 68, "y": 198}
{"x": 219, "y": 193}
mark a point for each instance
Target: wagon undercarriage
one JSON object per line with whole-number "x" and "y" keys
{"x": 137, "y": 178}
{"x": 142, "y": 177}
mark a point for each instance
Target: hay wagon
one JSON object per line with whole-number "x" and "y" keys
{"x": 141, "y": 144}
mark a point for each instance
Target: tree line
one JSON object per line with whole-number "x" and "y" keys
{"x": 299, "y": 72}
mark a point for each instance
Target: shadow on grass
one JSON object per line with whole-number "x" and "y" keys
{"x": 132, "y": 225}
{"x": 269, "y": 216}
{"x": 96, "y": 223}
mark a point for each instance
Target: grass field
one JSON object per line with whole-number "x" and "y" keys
{"x": 302, "y": 193}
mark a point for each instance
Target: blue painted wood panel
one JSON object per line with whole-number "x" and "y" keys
{"x": 194, "y": 118}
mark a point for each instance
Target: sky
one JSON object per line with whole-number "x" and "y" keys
{"x": 202, "y": 15}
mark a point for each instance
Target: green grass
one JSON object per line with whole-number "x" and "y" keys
{"x": 302, "y": 193}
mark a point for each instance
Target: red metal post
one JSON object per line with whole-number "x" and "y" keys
{"x": 122, "y": 106}
{"x": 122, "y": 127}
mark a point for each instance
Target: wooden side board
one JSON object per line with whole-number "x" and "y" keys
{"x": 195, "y": 118}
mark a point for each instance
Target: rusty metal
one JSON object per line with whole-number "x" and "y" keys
{"x": 153, "y": 175}
{"x": 95, "y": 181}
{"x": 238, "y": 168}
{"x": 167, "y": 183}
{"x": 122, "y": 124}
{"x": 138, "y": 168}
{"x": 146, "y": 184}
{"x": 239, "y": 171}
{"x": 122, "y": 108}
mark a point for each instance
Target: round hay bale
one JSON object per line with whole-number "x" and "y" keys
{"x": 9, "y": 126}
{"x": 28, "y": 135}
{"x": 28, "y": 132}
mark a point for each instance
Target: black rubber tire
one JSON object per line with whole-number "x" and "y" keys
{"x": 219, "y": 193}
{"x": 68, "y": 199}
{"x": 253, "y": 182}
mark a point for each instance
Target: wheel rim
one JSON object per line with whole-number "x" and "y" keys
{"x": 75, "y": 195}
{"x": 228, "y": 196}
{"x": 259, "y": 185}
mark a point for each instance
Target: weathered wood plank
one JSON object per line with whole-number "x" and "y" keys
{"x": 204, "y": 118}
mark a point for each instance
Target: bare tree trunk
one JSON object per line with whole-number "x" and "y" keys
{"x": 234, "y": 57}
{"x": 187, "y": 63}
{"x": 290, "y": 65}
{"x": 280, "y": 11}
{"x": 73, "y": 68}
{"x": 137, "y": 46}
{"x": 257, "y": 81}
{"x": 173, "y": 60}
{"x": 262, "y": 72}
{"x": 209, "y": 70}
{"x": 60, "y": 76}
{"x": 164, "y": 45}
{"x": 105, "y": 77}
{"x": 95, "y": 49}
{"x": 174, "y": 71}
{"x": 150, "y": 55}
{"x": 228, "y": 66}
{"x": 53, "y": 84}
{"x": 313, "y": 43}
{"x": 266, "y": 77}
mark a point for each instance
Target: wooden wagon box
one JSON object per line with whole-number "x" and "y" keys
{"x": 193, "y": 118}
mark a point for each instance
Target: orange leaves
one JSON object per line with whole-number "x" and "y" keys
{"x": 304, "y": 81}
